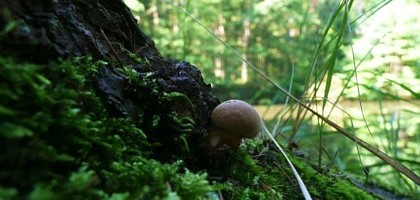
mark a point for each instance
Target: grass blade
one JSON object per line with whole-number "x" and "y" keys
{"x": 302, "y": 186}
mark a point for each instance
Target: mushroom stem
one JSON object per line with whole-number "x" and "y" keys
{"x": 217, "y": 137}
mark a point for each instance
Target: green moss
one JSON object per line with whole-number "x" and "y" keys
{"x": 268, "y": 176}
{"x": 58, "y": 141}
{"x": 250, "y": 180}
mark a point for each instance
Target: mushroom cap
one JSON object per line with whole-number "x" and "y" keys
{"x": 237, "y": 117}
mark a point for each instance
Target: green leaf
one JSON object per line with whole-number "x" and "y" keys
{"x": 11, "y": 131}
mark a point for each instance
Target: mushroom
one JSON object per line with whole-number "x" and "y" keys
{"x": 231, "y": 121}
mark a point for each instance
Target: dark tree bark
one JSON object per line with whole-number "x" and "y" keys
{"x": 42, "y": 31}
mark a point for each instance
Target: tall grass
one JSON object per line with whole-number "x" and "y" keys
{"x": 322, "y": 77}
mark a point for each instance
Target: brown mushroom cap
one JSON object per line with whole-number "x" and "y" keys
{"x": 237, "y": 117}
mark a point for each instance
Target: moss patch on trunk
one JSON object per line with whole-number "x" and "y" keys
{"x": 58, "y": 141}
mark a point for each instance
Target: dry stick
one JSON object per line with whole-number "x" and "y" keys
{"x": 401, "y": 168}
{"x": 398, "y": 166}
{"x": 110, "y": 45}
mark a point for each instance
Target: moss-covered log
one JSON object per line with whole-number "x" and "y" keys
{"x": 164, "y": 97}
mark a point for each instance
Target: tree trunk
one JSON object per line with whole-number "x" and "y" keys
{"x": 42, "y": 31}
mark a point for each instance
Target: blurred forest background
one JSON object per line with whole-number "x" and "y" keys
{"x": 363, "y": 58}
